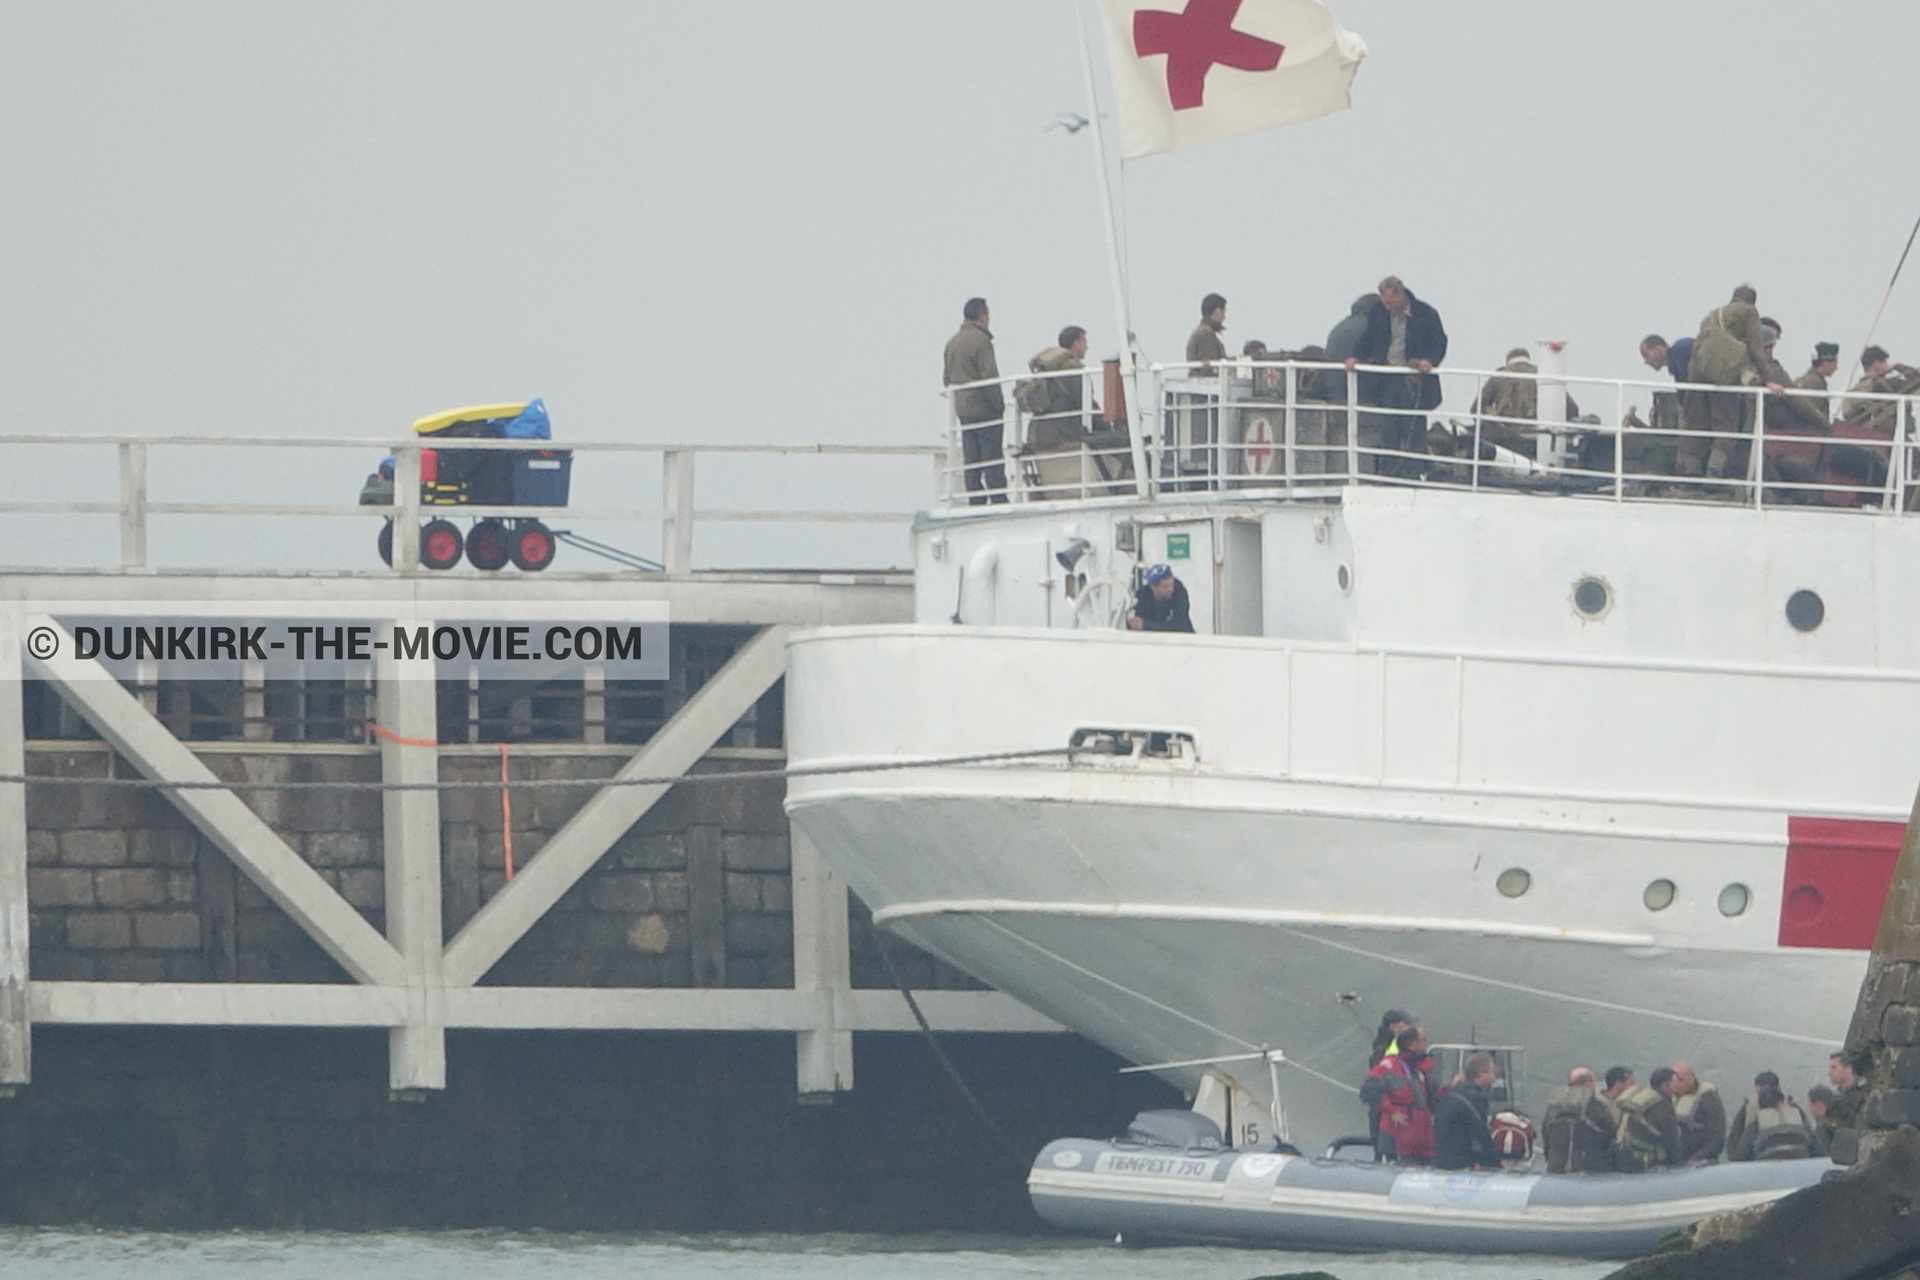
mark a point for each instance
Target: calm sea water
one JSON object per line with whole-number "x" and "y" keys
{"x": 109, "y": 1255}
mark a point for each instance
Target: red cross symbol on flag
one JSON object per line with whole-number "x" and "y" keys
{"x": 1194, "y": 40}
{"x": 1192, "y": 71}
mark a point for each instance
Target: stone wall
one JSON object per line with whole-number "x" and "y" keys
{"x": 698, "y": 893}
{"x": 188, "y": 1127}
{"x": 1883, "y": 1040}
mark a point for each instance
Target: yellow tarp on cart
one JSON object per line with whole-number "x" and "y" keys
{"x": 473, "y": 413}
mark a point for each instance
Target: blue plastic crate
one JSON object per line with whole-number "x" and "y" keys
{"x": 542, "y": 479}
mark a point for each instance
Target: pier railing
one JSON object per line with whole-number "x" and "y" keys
{"x": 677, "y": 514}
{"x": 1301, "y": 428}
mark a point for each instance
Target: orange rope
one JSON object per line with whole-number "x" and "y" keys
{"x": 391, "y": 736}
{"x": 506, "y": 814}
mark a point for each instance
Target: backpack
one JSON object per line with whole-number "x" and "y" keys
{"x": 1566, "y": 1113}
{"x": 1782, "y": 1134}
{"x": 1512, "y": 1135}
{"x": 1638, "y": 1145}
{"x": 1034, "y": 396}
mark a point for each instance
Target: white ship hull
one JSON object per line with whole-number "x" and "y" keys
{"x": 1335, "y": 843}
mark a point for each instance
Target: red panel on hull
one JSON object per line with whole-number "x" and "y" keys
{"x": 1838, "y": 870}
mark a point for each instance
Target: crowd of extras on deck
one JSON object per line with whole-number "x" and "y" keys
{"x": 1614, "y": 1123}
{"x": 1696, "y": 436}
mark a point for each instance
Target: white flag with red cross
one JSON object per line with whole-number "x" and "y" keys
{"x": 1192, "y": 71}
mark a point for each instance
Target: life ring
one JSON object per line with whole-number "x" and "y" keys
{"x": 1256, "y": 445}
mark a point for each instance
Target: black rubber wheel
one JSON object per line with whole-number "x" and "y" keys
{"x": 488, "y": 546}
{"x": 533, "y": 546}
{"x": 386, "y": 544}
{"x": 440, "y": 545}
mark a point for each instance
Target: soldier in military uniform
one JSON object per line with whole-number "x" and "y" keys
{"x": 1701, "y": 1113}
{"x": 1882, "y": 377}
{"x": 1055, "y": 434}
{"x": 1729, "y": 352}
{"x": 1579, "y": 1125}
{"x": 1649, "y": 1133}
{"x": 1795, "y": 457}
{"x": 1849, "y": 1094}
{"x": 1506, "y": 404}
{"x": 1826, "y": 362}
{"x": 982, "y": 410}
{"x": 1203, "y": 344}
{"x": 1199, "y": 424}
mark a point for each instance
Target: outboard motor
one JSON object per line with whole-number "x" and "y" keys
{"x": 1183, "y": 1130}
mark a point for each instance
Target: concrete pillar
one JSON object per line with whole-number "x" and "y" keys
{"x": 406, "y": 515}
{"x": 16, "y": 1031}
{"x": 417, "y": 1052}
{"x": 1883, "y": 1042}
{"x": 253, "y": 703}
{"x": 593, "y": 705}
{"x": 707, "y": 905}
{"x": 133, "y": 505}
{"x": 820, "y": 968}
{"x": 676, "y": 531}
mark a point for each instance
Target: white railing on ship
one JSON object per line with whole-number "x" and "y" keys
{"x": 1271, "y": 425}
{"x": 677, "y": 513}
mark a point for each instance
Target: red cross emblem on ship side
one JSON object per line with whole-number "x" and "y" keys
{"x": 1194, "y": 40}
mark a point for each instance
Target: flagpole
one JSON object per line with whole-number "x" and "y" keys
{"x": 1127, "y": 371}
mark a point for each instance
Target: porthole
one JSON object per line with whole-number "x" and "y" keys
{"x": 1344, "y": 576}
{"x": 1592, "y": 597}
{"x": 1734, "y": 900}
{"x": 1659, "y": 895}
{"x": 1806, "y": 610}
{"x": 1513, "y": 882}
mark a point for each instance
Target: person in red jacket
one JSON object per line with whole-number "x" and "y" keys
{"x": 1401, "y": 1083}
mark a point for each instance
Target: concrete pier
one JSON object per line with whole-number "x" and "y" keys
{"x": 200, "y": 982}
{"x": 634, "y": 907}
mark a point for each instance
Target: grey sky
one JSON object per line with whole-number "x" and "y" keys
{"x": 757, "y": 221}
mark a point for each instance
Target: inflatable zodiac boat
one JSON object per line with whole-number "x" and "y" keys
{"x": 1170, "y": 1180}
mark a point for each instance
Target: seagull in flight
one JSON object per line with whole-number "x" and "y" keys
{"x": 1068, "y": 120}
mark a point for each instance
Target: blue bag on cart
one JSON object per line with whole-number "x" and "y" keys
{"x": 532, "y": 424}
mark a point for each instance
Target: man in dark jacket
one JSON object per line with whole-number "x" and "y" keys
{"x": 1161, "y": 602}
{"x": 981, "y": 410}
{"x": 1461, "y": 1139}
{"x": 1674, "y": 357}
{"x": 1401, "y": 330}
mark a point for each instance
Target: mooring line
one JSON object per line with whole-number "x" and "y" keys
{"x": 663, "y": 780}
{"x": 979, "y": 1109}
